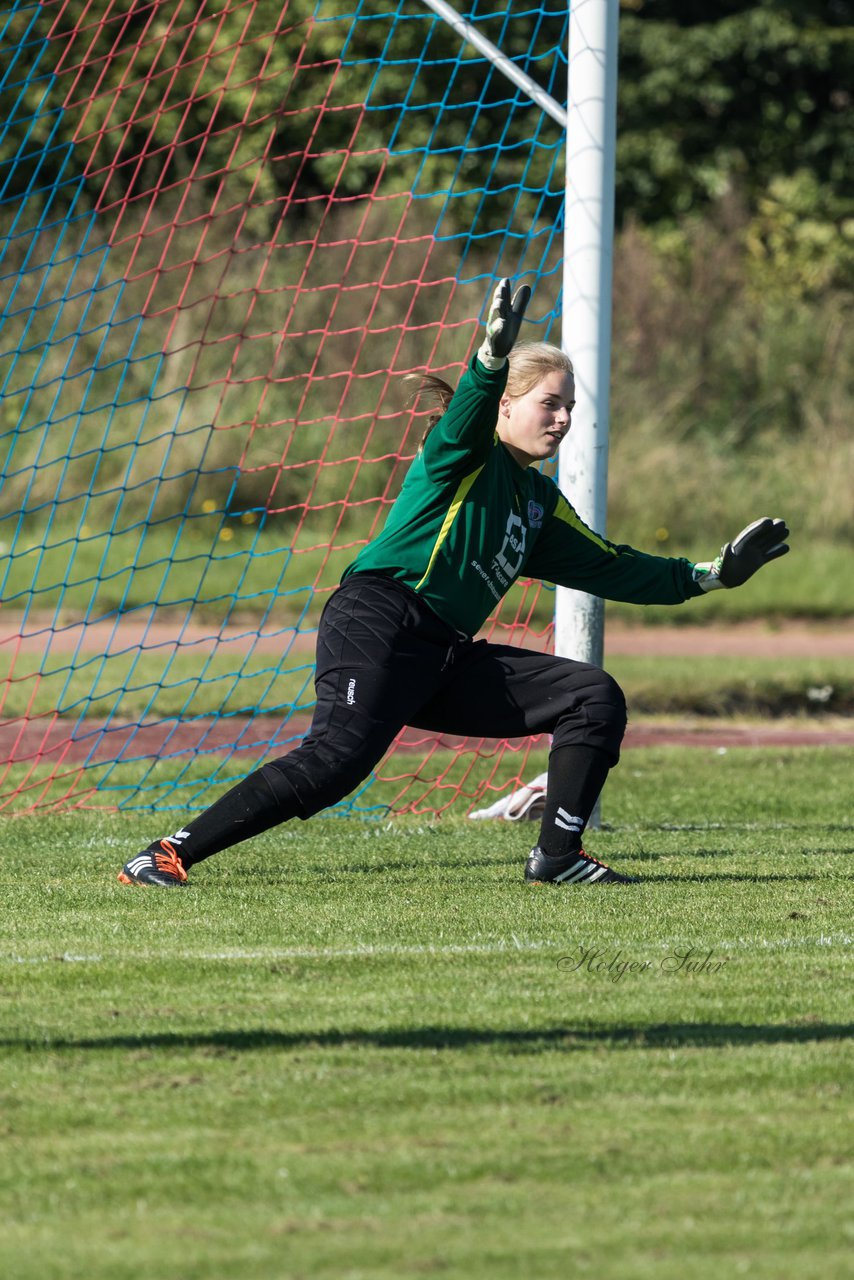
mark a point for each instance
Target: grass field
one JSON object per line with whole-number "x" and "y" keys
{"x": 164, "y": 682}
{"x": 366, "y": 1050}
{"x": 182, "y": 564}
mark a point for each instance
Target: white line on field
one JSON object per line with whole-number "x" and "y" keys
{"x": 364, "y": 950}
{"x": 302, "y": 953}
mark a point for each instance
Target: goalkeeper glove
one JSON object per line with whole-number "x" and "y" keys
{"x": 503, "y": 324}
{"x": 758, "y": 544}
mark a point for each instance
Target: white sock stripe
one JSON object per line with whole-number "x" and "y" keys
{"x": 571, "y": 822}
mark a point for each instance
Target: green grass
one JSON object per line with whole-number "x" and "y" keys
{"x": 161, "y": 682}
{"x": 178, "y": 564}
{"x": 809, "y": 583}
{"x": 353, "y": 1049}
{"x": 745, "y": 686}
{"x": 182, "y": 565}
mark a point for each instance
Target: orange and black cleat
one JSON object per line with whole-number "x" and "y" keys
{"x": 575, "y": 868}
{"x": 159, "y": 865}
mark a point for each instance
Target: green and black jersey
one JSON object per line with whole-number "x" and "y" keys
{"x": 469, "y": 521}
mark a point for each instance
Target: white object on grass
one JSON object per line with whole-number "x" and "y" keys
{"x": 528, "y": 802}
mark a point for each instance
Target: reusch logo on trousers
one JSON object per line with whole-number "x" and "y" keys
{"x": 351, "y": 693}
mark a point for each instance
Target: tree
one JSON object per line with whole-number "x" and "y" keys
{"x": 716, "y": 95}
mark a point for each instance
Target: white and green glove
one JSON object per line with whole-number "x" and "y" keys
{"x": 503, "y": 324}
{"x": 758, "y": 544}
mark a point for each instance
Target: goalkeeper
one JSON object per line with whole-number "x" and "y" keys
{"x": 396, "y": 640}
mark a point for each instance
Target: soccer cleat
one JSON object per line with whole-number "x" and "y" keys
{"x": 158, "y": 866}
{"x": 575, "y": 868}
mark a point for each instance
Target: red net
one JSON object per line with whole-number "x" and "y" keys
{"x": 231, "y": 229}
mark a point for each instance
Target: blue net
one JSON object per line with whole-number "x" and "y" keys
{"x": 228, "y": 231}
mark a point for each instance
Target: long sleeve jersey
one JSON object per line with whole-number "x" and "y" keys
{"x": 469, "y": 521}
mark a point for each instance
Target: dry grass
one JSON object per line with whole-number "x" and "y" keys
{"x": 726, "y": 401}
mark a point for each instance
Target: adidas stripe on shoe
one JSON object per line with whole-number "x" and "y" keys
{"x": 158, "y": 866}
{"x": 575, "y": 868}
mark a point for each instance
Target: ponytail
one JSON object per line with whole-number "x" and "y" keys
{"x": 438, "y": 394}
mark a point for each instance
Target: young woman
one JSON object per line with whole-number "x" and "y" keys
{"x": 395, "y": 643}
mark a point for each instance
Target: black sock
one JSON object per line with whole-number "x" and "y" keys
{"x": 250, "y": 807}
{"x": 576, "y": 776}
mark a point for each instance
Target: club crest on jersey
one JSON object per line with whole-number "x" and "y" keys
{"x": 535, "y": 515}
{"x": 509, "y": 558}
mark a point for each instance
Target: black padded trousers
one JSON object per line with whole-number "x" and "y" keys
{"x": 385, "y": 660}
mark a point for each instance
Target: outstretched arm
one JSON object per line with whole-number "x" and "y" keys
{"x": 570, "y": 554}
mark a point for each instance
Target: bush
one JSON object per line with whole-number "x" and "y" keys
{"x": 728, "y": 397}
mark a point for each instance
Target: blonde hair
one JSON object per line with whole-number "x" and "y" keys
{"x": 529, "y": 363}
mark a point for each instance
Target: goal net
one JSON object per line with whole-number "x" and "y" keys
{"x": 229, "y": 229}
